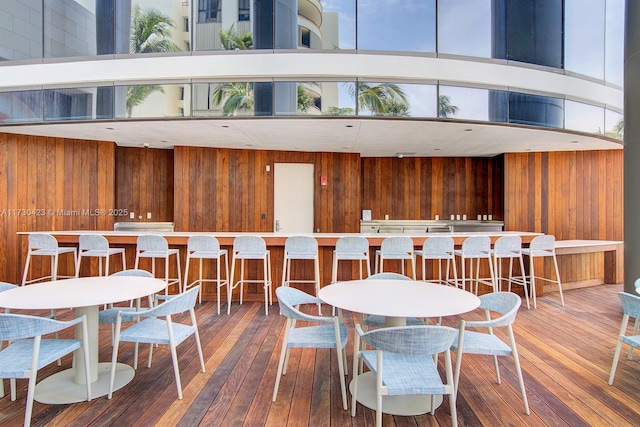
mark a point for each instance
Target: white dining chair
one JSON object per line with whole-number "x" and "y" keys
{"x": 154, "y": 247}
{"x": 476, "y": 248}
{"x": 396, "y": 248}
{"x": 301, "y": 248}
{"x": 509, "y": 247}
{"x": 351, "y": 248}
{"x": 45, "y": 245}
{"x": 542, "y": 247}
{"x": 201, "y": 248}
{"x": 97, "y": 246}
{"x": 250, "y": 248}
{"x": 439, "y": 248}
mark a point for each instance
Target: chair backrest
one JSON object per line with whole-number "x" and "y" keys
{"x": 630, "y": 304}
{"x": 301, "y": 245}
{"x": 437, "y": 246}
{"x": 21, "y": 326}
{"x": 152, "y": 242}
{"x": 4, "y": 286}
{"x": 352, "y": 245}
{"x": 505, "y": 303}
{"x": 42, "y": 241}
{"x": 546, "y": 242}
{"x": 176, "y": 304}
{"x": 289, "y": 298}
{"x": 507, "y": 244}
{"x": 413, "y": 340}
{"x": 93, "y": 242}
{"x": 133, "y": 272}
{"x": 393, "y": 276}
{"x": 252, "y": 244}
{"x": 476, "y": 244}
{"x": 397, "y": 245}
{"x": 203, "y": 243}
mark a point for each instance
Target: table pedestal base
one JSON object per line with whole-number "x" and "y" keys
{"x": 394, "y": 405}
{"x": 60, "y": 388}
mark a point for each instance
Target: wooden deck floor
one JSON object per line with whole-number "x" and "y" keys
{"x": 565, "y": 352}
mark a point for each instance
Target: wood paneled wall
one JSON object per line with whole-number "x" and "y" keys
{"x": 229, "y": 190}
{"x": 51, "y": 184}
{"x": 420, "y": 188}
{"x": 572, "y": 195}
{"x": 144, "y": 183}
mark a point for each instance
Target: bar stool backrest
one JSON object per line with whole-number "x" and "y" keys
{"x": 203, "y": 243}
{"x": 42, "y": 241}
{"x": 152, "y": 242}
{"x": 507, "y": 245}
{"x": 397, "y": 245}
{"x": 476, "y": 244}
{"x": 295, "y": 245}
{"x": 352, "y": 245}
{"x": 437, "y": 246}
{"x": 251, "y": 244}
{"x": 546, "y": 242}
{"x": 93, "y": 242}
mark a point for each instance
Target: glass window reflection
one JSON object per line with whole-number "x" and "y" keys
{"x": 463, "y": 103}
{"x": 20, "y": 30}
{"x": 87, "y": 103}
{"x": 465, "y": 27}
{"x": 614, "y": 124}
{"x": 584, "y": 37}
{"x": 536, "y": 110}
{"x": 584, "y": 117}
{"x": 614, "y": 42}
{"x": 141, "y": 101}
{"x": 390, "y": 25}
{"x": 21, "y": 107}
{"x": 396, "y": 100}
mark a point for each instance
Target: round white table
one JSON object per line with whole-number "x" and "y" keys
{"x": 397, "y": 300}
{"x": 86, "y": 295}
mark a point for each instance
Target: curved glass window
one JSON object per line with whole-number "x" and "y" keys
{"x": 584, "y": 117}
{"x": 536, "y": 110}
{"x": 390, "y": 25}
{"x": 338, "y": 24}
{"x": 20, "y": 30}
{"x": 613, "y": 124}
{"x": 465, "y": 27}
{"x": 141, "y": 101}
{"x": 614, "y": 42}
{"x": 85, "y": 103}
{"x": 21, "y": 106}
{"x": 396, "y": 100}
{"x": 584, "y": 37}
{"x": 464, "y": 103}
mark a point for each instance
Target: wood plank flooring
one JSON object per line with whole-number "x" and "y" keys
{"x": 566, "y": 355}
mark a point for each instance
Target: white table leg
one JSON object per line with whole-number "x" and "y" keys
{"x": 68, "y": 386}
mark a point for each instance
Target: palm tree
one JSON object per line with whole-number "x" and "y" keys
{"x": 381, "y": 99}
{"x": 150, "y": 32}
{"x": 234, "y": 98}
{"x": 445, "y": 108}
{"x": 230, "y": 40}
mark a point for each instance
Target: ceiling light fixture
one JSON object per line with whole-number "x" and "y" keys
{"x": 349, "y": 126}
{"x": 110, "y": 128}
{"x": 468, "y": 130}
{"x": 225, "y": 126}
{"x": 575, "y": 141}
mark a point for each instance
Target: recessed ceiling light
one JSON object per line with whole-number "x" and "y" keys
{"x": 349, "y": 126}
{"x": 164, "y": 140}
{"x": 249, "y": 145}
{"x": 436, "y": 149}
{"x": 109, "y": 128}
{"x": 225, "y": 126}
{"x": 527, "y": 149}
{"x": 345, "y": 148}
{"x": 574, "y": 141}
{"x": 468, "y": 130}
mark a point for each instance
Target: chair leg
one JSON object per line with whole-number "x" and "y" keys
{"x": 185, "y": 285}
{"x": 555, "y": 264}
{"x": 524, "y": 282}
{"x": 266, "y": 288}
{"x": 26, "y": 269}
{"x": 230, "y": 284}
{"x": 316, "y": 264}
{"x": 176, "y": 369}
{"x": 533, "y": 282}
{"x": 616, "y": 355}
{"x": 356, "y": 371}
{"x": 30, "y": 393}
{"x": 281, "y": 361}
{"x": 516, "y": 360}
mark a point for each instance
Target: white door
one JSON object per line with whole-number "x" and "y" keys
{"x": 293, "y": 197}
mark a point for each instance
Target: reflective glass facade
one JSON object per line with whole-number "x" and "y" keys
{"x": 584, "y": 37}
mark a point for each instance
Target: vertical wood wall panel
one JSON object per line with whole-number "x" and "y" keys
{"x": 51, "y": 184}
{"x": 576, "y": 195}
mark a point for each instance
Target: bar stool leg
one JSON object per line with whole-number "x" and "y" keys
{"x": 555, "y": 264}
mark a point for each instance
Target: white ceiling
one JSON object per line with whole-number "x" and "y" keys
{"x": 367, "y": 136}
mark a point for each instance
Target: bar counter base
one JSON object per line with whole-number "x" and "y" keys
{"x": 394, "y": 405}
{"x": 60, "y": 388}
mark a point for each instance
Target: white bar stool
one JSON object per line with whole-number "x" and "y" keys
{"x": 542, "y": 246}
{"x": 476, "y": 247}
{"x": 245, "y": 248}
{"x": 509, "y": 247}
{"x": 95, "y": 245}
{"x": 301, "y": 248}
{"x": 440, "y": 248}
{"x": 156, "y": 247}
{"x": 206, "y": 247}
{"x": 350, "y": 248}
{"x": 41, "y": 244}
{"x": 399, "y": 248}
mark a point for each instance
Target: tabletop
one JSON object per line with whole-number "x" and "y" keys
{"x": 399, "y": 298}
{"x": 80, "y": 292}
